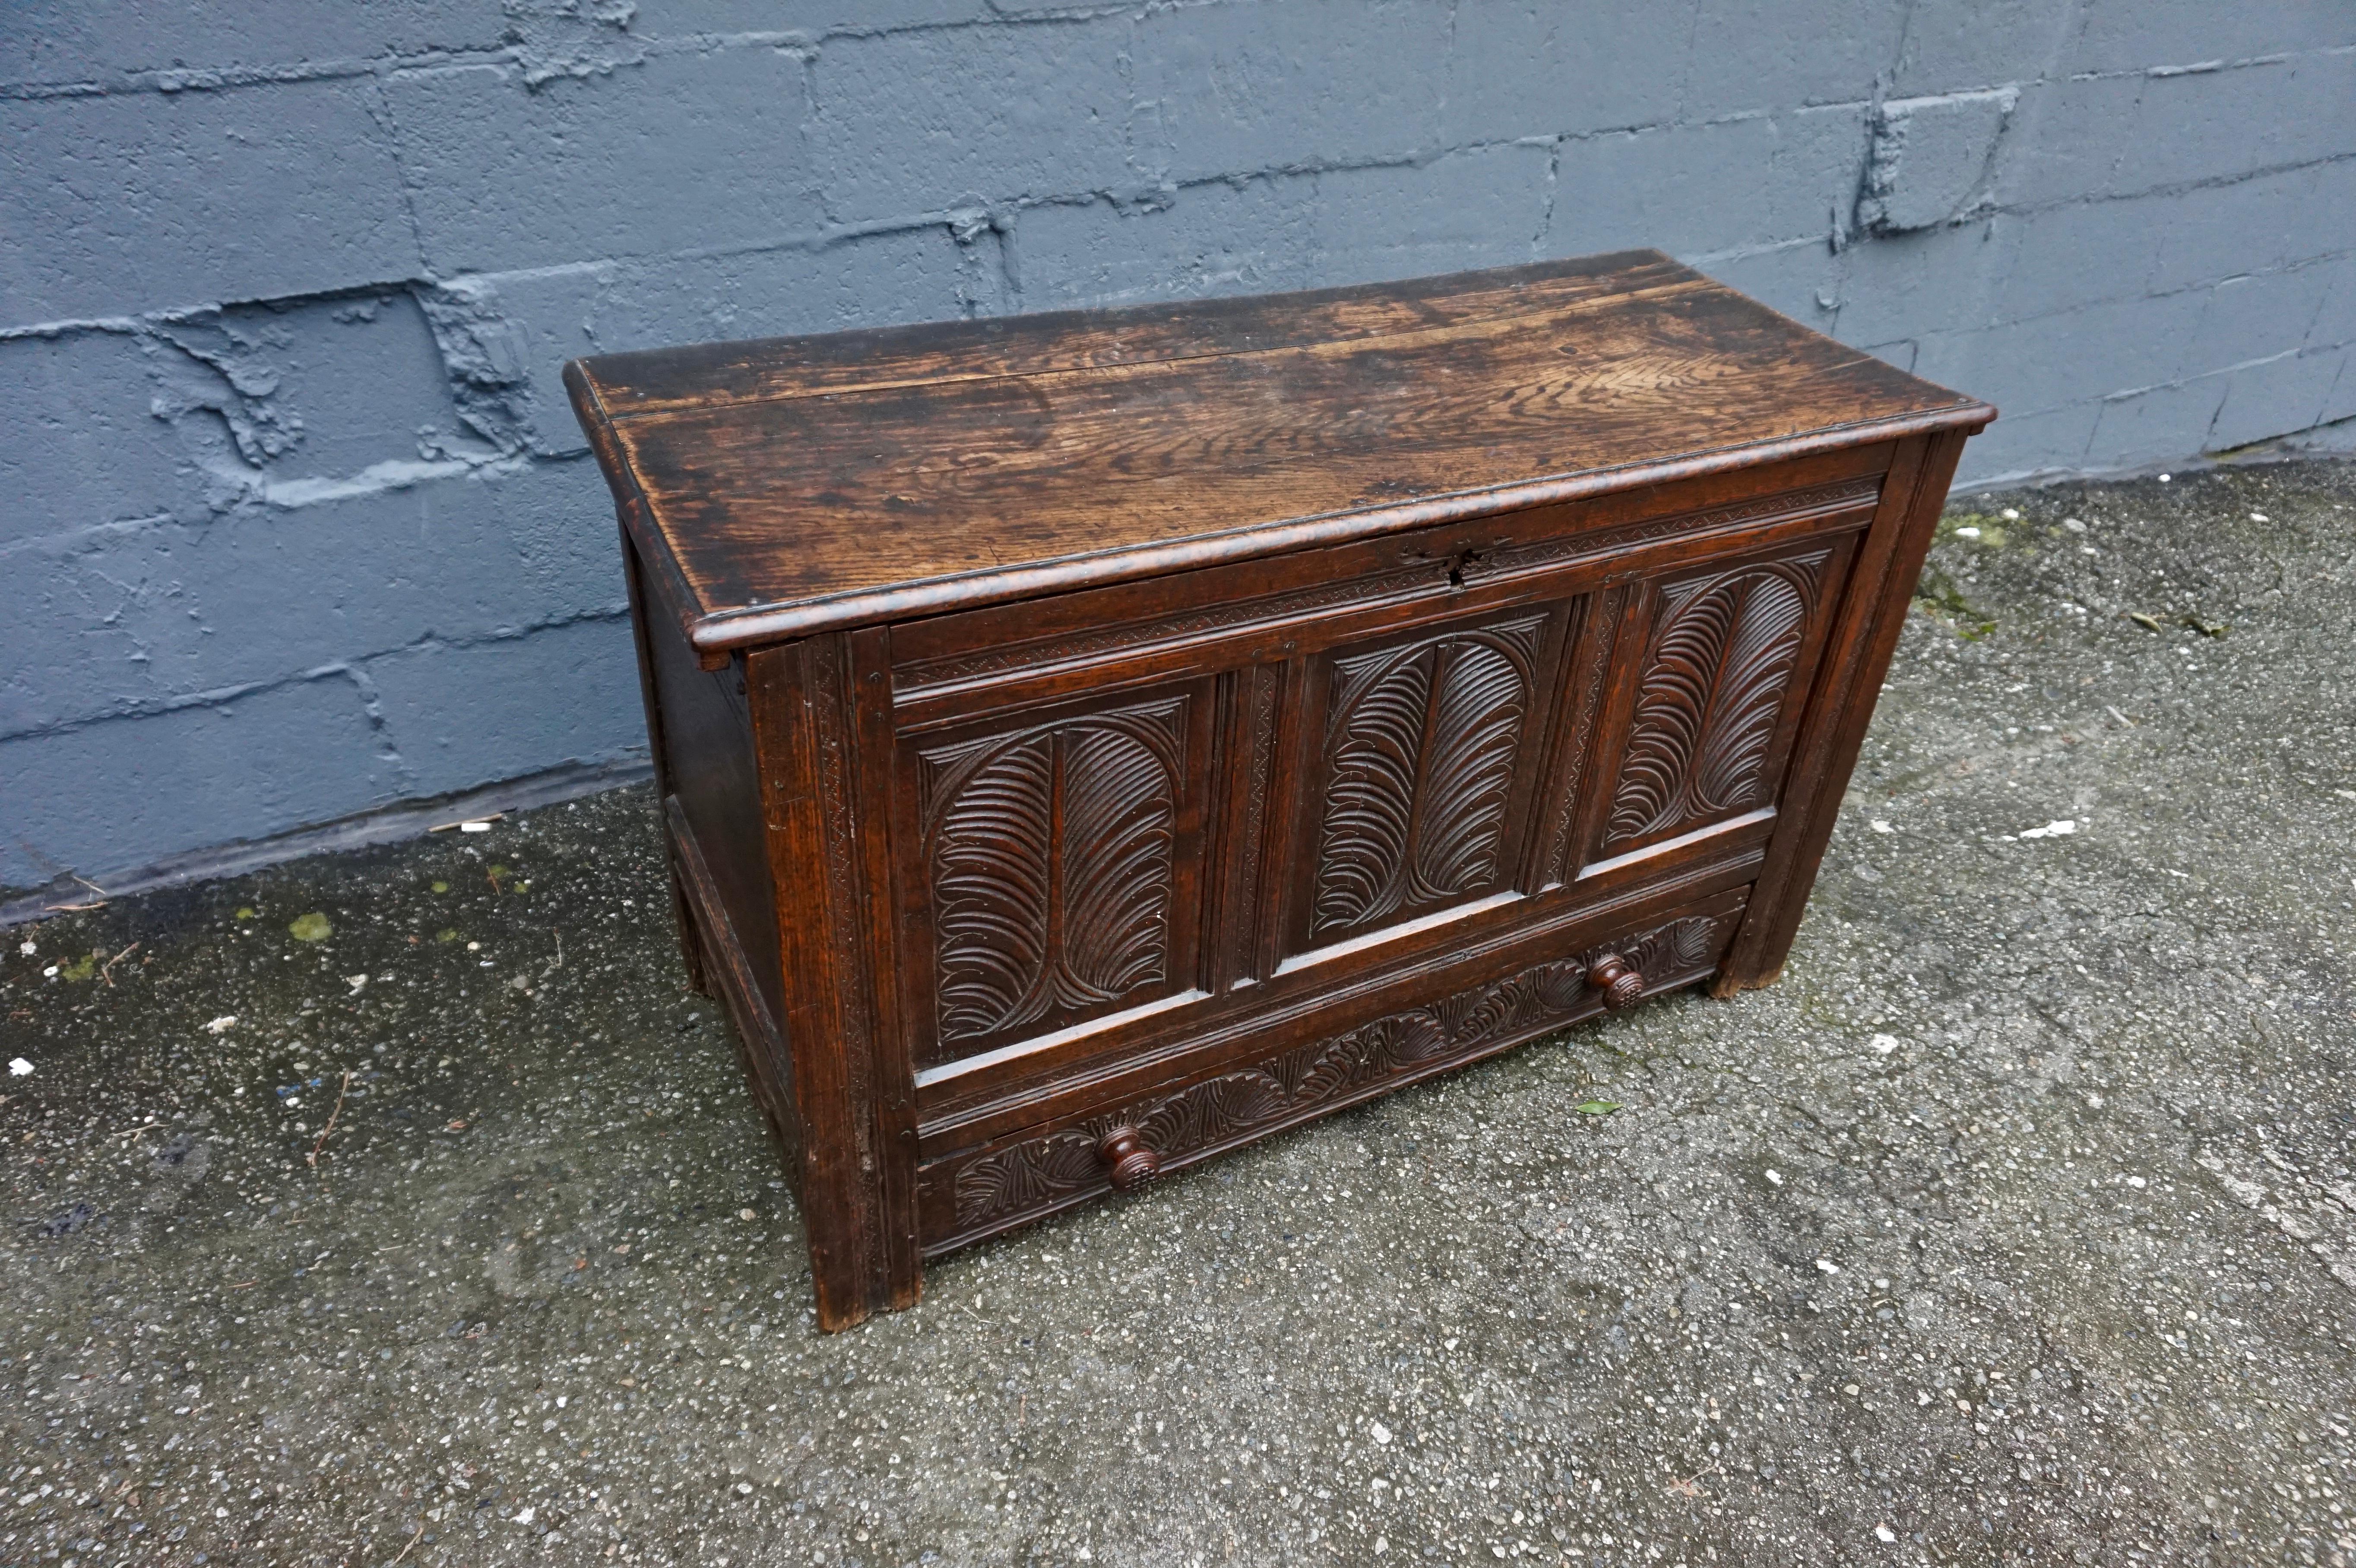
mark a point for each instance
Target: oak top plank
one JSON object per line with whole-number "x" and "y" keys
{"x": 795, "y": 485}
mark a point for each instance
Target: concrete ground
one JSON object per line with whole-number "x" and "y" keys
{"x": 2017, "y": 1224}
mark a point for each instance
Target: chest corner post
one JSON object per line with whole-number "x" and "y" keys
{"x": 821, "y": 728}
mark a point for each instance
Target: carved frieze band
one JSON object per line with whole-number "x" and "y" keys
{"x": 1213, "y": 618}
{"x": 1050, "y": 852}
{"x": 1512, "y": 558}
{"x": 1838, "y": 495}
{"x": 1723, "y": 652}
{"x": 1026, "y": 1177}
{"x": 1420, "y": 747}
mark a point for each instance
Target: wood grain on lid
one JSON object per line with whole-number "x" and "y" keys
{"x": 787, "y": 485}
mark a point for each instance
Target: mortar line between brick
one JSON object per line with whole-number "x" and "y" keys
{"x": 215, "y": 697}
{"x": 640, "y": 48}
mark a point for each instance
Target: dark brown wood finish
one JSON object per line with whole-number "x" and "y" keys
{"x": 919, "y": 469}
{"x": 1091, "y": 742}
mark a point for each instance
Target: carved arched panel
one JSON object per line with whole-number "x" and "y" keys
{"x": 1052, "y": 859}
{"x": 1725, "y": 656}
{"x": 1423, "y": 746}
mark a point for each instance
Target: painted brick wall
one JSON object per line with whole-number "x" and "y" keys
{"x": 298, "y": 522}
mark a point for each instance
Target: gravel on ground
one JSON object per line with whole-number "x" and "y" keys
{"x": 403, "y": 1206}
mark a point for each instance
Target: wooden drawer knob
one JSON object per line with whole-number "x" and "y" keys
{"x": 1622, "y": 986}
{"x": 1127, "y": 1158}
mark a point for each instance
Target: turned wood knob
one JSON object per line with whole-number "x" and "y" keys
{"x": 1127, "y": 1158}
{"x": 1622, "y": 986}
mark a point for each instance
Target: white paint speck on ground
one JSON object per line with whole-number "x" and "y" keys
{"x": 1883, "y": 1532}
{"x": 1774, "y": 1179}
{"x": 1879, "y": 825}
{"x": 19, "y": 1068}
{"x": 2060, "y": 827}
{"x": 1829, "y": 1265}
{"x": 1882, "y": 1044}
{"x": 222, "y": 1024}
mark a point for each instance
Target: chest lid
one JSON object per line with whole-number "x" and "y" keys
{"x": 798, "y": 484}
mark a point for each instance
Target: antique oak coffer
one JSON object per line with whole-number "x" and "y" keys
{"x": 1091, "y": 742}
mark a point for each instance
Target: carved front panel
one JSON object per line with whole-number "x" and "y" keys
{"x": 1725, "y": 658}
{"x": 1422, "y": 747}
{"x": 1053, "y": 859}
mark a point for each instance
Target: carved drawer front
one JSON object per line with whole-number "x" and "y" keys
{"x": 1051, "y": 875}
{"x": 1034, "y": 1172}
{"x": 1422, "y": 751}
{"x": 1711, "y": 668}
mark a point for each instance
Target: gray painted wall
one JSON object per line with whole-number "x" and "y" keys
{"x": 297, "y": 521}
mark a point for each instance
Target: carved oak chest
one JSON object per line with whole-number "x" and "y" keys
{"x": 1091, "y": 742}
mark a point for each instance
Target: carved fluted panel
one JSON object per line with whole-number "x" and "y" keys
{"x": 1421, "y": 743}
{"x": 1051, "y": 858}
{"x": 1721, "y": 663}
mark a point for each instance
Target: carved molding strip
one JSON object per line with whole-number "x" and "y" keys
{"x": 954, "y": 667}
{"x": 1010, "y": 1182}
{"x": 1213, "y": 618}
{"x": 1051, "y": 853}
{"x": 1790, "y": 503}
{"x": 1722, "y": 655}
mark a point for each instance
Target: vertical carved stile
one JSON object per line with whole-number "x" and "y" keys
{"x": 1266, "y": 686}
{"x": 1595, "y": 648}
{"x": 830, "y": 697}
{"x": 828, "y": 701}
{"x": 1722, "y": 654}
{"x": 855, "y": 1180}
